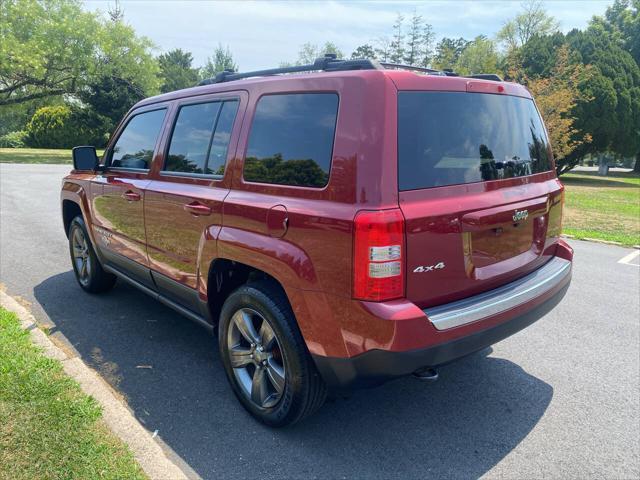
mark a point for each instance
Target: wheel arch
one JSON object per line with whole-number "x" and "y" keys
{"x": 225, "y": 275}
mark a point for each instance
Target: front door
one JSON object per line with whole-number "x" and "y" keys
{"x": 183, "y": 201}
{"x": 118, "y": 195}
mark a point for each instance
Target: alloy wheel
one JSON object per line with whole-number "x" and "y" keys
{"x": 256, "y": 358}
{"x": 81, "y": 257}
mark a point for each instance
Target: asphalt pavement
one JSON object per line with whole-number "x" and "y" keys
{"x": 560, "y": 399}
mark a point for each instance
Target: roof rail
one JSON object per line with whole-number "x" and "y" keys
{"x": 328, "y": 63}
{"x": 486, "y": 76}
{"x": 400, "y": 66}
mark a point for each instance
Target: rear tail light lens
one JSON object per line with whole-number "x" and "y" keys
{"x": 378, "y": 260}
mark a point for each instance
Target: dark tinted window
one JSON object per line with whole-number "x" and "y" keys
{"x": 191, "y": 138}
{"x": 134, "y": 148}
{"x": 220, "y": 143}
{"x": 200, "y": 138}
{"x": 447, "y": 138}
{"x": 291, "y": 139}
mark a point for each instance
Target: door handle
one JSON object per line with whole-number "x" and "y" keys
{"x": 196, "y": 208}
{"x": 131, "y": 196}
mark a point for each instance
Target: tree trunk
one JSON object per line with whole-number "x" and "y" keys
{"x": 636, "y": 167}
{"x": 603, "y": 165}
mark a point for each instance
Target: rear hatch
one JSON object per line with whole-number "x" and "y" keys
{"x": 481, "y": 202}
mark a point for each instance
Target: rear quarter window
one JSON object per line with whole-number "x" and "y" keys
{"x": 448, "y": 138}
{"x": 291, "y": 139}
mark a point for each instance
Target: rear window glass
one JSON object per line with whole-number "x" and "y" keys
{"x": 291, "y": 140}
{"x": 447, "y": 138}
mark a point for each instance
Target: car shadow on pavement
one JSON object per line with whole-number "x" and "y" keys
{"x": 169, "y": 371}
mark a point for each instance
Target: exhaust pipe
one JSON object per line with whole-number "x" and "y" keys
{"x": 426, "y": 374}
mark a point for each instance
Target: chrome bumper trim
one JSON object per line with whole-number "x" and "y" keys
{"x": 501, "y": 299}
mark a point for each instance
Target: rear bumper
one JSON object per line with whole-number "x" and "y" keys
{"x": 518, "y": 305}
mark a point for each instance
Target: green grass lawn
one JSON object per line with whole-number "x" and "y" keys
{"x": 603, "y": 208}
{"x": 36, "y": 155}
{"x": 49, "y": 429}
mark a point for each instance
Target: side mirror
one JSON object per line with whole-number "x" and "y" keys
{"x": 85, "y": 158}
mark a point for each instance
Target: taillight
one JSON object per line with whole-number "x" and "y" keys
{"x": 378, "y": 257}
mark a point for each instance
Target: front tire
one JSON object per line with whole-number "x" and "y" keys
{"x": 265, "y": 357}
{"x": 86, "y": 266}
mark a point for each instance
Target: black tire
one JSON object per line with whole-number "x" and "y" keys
{"x": 304, "y": 390}
{"x": 88, "y": 271}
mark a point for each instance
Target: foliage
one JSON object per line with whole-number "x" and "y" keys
{"x": 13, "y": 139}
{"x": 612, "y": 116}
{"x": 110, "y": 97}
{"x": 448, "y": 51}
{"x": 53, "y": 47}
{"x": 60, "y": 127}
{"x": 556, "y": 97}
{"x": 534, "y": 20}
{"x": 309, "y": 52}
{"x": 396, "y": 54}
{"x": 623, "y": 20}
{"x": 176, "y": 71}
{"x": 46, "y": 48}
{"x": 122, "y": 54}
{"x": 221, "y": 60}
{"x": 363, "y": 52}
{"x": 479, "y": 56}
{"x": 537, "y": 57}
{"x": 415, "y": 47}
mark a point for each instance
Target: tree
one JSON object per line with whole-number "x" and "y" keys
{"x": 309, "y": 52}
{"x": 448, "y": 51}
{"x": 623, "y": 20}
{"x": 121, "y": 54}
{"x": 108, "y": 98}
{"x": 396, "y": 53}
{"x": 364, "y": 51}
{"x": 612, "y": 113}
{"x": 176, "y": 71}
{"x": 534, "y": 20}
{"x": 221, "y": 60}
{"x": 479, "y": 56}
{"x": 426, "y": 52}
{"x": 538, "y": 57}
{"x": 556, "y": 97}
{"x": 46, "y": 48}
{"x": 418, "y": 49}
{"x": 383, "y": 48}
{"x": 54, "y": 48}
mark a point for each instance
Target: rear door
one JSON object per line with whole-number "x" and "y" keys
{"x": 480, "y": 199}
{"x": 183, "y": 202}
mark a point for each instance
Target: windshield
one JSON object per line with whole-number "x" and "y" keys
{"x": 448, "y": 138}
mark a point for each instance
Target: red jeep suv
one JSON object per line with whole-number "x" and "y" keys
{"x": 340, "y": 224}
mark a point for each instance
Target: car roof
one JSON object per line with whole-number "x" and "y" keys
{"x": 403, "y": 80}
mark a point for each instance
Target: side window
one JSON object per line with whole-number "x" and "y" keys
{"x": 134, "y": 148}
{"x": 200, "y": 138}
{"x": 221, "y": 137}
{"x": 291, "y": 140}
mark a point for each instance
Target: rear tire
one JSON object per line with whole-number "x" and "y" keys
{"x": 86, "y": 266}
{"x": 265, "y": 357}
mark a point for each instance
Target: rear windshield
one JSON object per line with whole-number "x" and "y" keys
{"x": 448, "y": 138}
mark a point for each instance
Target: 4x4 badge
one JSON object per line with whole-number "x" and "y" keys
{"x": 429, "y": 268}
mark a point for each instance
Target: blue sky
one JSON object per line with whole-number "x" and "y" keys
{"x": 262, "y": 34}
